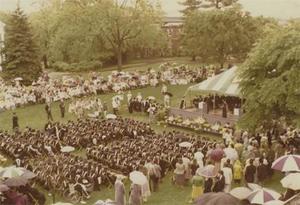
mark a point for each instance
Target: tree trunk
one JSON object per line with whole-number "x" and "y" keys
{"x": 193, "y": 58}
{"x": 45, "y": 62}
{"x": 119, "y": 58}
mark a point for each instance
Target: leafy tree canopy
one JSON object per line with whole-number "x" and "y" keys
{"x": 270, "y": 78}
{"x": 219, "y": 35}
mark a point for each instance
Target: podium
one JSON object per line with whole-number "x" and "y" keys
{"x": 203, "y": 107}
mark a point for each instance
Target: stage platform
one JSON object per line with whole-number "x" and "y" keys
{"x": 211, "y": 117}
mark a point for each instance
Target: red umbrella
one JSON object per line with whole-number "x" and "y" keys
{"x": 217, "y": 154}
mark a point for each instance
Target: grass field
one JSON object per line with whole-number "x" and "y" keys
{"x": 35, "y": 116}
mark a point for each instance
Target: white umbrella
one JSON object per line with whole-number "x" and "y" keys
{"x": 185, "y": 144}
{"x": 151, "y": 98}
{"x": 12, "y": 171}
{"x": 198, "y": 155}
{"x": 291, "y": 181}
{"x": 111, "y": 116}
{"x": 137, "y": 178}
{"x": 240, "y": 192}
{"x": 254, "y": 186}
{"x": 18, "y": 79}
{"x": 262, "y": 196}
{"x": 67, "y": 149}
{"x": 231, "y": 153}
{"x": 274, "y": 202}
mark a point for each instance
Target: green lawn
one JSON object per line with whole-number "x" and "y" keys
{"x": 35, "y": 116}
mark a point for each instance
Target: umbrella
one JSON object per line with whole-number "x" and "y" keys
{"x": 138, "y": 178}
{"x": 207, "y": 171}
{"x": 254, "y": 186}
{"x": 151, "y": 98}
{"x": 16, "y": 181}
{"x": 287, "y": 163}
{"x": 262, "y": 196}
{"x": 240, "y": 192}
{"x": 198, "y": 155}
{"x": 3, "y": 188}
{"x": 62, "y": 203}
{"x": 274, "y": 202}
{"x": 18, "y": 79}
{"x": 231, "y": 153}
{"x": 12, "y": 171}
{"x": 67, "y": 149}
{"x": 169, "y": 94}
{"x": 291, "y": 181}
{"x": 111, "y": 116}
{"x": 185, "y": 144}
{"x": 28, "y": 175}
{"x": 217, "y": 154}
{"x": 217, "y": 199}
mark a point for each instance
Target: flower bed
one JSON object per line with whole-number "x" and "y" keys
{"x": 198, "y": 124}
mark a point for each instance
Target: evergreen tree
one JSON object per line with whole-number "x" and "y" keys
{"x": 190, "y": 6}
{"x": 21, "y": 58}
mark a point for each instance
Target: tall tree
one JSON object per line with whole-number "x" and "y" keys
{"x": 190, "y": 6}
{"x": 270, "y": 78}
{"x": 21, "y": 57}
{"x": 123, "y": 21}
{"x": 88, "y": 30}
{"x": 217, "y": 35}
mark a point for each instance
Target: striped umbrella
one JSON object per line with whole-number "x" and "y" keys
{"x": 240, "y": 192}
{"x": 207, "y": 171}
{"x": 291, "y": 181}
{"x": 275, "y": 202}
{"x": 287, "y": 163}
{"x": 262, "y": 196}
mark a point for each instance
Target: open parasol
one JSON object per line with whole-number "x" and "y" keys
{"x": 138, "y": 178}
{"x": 185, "y": 144}
{"x": 67, "y": 149}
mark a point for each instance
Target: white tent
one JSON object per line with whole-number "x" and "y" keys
{"x": 225, "y": 83}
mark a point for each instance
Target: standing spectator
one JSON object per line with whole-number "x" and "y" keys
{"x": 105, "y": 108}
{"x": 167, "y": 100}
{"x": 119, "y": 191}
{"x": 164, "y": 89}
{"x": 15, "y": 122}
{"x": 220, "y": 182}
{"x": 179, "y": 173}
{"x": 157, "y": 175}
{"x": 262, "y": 172}
{"x": 197, "y": 187}
{"x": 208, "y": 182}
{"x": 228, "y": 177}
{"x": 135, "y": 196}
{"x": 48, "y": 111}
{"x": 237, "y": 171}
{"x": 62, "y": 108}
{"x": 250, "y": 171}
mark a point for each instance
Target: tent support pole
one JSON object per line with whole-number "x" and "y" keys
{"x": 214, "y": 103}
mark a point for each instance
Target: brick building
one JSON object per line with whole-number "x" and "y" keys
{"x": 173, "y": 27}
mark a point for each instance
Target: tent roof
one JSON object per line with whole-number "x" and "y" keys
{"x": 225, "y": 83}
